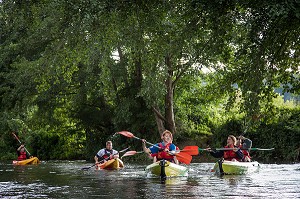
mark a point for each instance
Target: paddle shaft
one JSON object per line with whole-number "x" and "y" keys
{"x": 146, "y": 142}
{"x": 21, "y": 143}
{"x": 229, "y": 149}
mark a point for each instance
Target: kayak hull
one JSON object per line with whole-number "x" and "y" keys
{"x": 112, "y": 164}
{"x": 32, "y": 160}
{"x": 235, "y": 167}
{"x": 166, "y": 169}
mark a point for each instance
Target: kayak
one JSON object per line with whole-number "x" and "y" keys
{"x": 112, "y": 164}
{"x": 32, "y": 160}
{"x": 235, "y": 167}
{"x": 164, "y": 168}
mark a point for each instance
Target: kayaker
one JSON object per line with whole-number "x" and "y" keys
{"x": 245, "y": 145}
{"x": 162, "y": 150}
{"x": 106, "y": 153}
{"x": 232, "y": 155}
{"x": 22, "y": 155}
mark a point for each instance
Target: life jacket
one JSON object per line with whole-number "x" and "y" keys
{"x": 107, "y": 154}
{"x": 230, "y": 154}
{"x": 245, "y": 152}
{"x": 162, "y": 154}
{"x": 22, "y": 156}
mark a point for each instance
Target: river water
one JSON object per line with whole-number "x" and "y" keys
{"x": 66, "y": 179}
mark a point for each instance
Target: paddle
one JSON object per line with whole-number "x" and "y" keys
{"x": 86, "y": 168}
{"x": 228, "y": 149}
{"x": 192, "y": 150}
{"x": 181, "y": 156}
{"x": 21, "y": 143}
{"x": 130, "y": 153}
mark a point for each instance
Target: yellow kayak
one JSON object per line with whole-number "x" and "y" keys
{"x": 235, "y": 167}
{"x": 32, "y": 160}
{"x": 112, "y": 164}
{"x": 165, "y": 168}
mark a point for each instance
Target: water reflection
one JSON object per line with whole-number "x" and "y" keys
{"x": 66, "y": 179}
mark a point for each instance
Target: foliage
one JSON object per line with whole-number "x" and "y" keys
{"x": 75, "y": 72}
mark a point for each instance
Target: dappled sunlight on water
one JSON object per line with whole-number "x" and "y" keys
{"x": 67, "y": 179}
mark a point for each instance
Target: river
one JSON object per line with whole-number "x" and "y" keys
{"x": 66, "y": 179}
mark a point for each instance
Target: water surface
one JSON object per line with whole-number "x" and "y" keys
{"x": 66, "y": 179}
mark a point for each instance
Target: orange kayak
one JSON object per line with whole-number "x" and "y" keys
{"x": 32, "y": 160}
{"x": 111, "y": 164}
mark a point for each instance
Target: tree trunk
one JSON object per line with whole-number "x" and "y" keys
{"x": 159, "y": 120}
{"x": 169, "y": 109}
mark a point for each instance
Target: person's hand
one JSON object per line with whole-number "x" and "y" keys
{"x": 209, "y": 149}
{"x": 235, "y": 149}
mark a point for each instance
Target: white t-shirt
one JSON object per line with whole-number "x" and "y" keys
{"x": 104, "y": 151}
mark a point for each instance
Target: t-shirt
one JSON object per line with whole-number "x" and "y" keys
{"x": 104, "y": 151}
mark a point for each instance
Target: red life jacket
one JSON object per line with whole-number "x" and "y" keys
{"x": 230, "y": 154}
{"x": 107, "y": 154}
{"x": 22, "y": 156}
{"x": 162, "y": 154}
{"x": 245, "y": 152}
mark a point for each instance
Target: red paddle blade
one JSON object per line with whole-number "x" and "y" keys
{"x": 126, "y": 133}
{"x": 192, "y": 150}
{"x": 184, "y": 157}
{"x": 129, "y": 153}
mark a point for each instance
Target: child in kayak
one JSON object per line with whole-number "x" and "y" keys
{"x": 162, "y": 150}
{"x": 232, "y": 155}
{"x": 245, "y": 145}
{"x": 22, "y": 155}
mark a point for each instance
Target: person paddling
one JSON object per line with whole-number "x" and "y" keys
{"x": 245, "y": 145}
{"x": 162, "y": 150}
{"x": 22, "y": 155}
{"x": 231, "y": 155}
{"x": 106, "y": 153}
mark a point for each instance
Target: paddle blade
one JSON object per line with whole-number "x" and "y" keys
{"x": 184, "y": 157}
{"x": 129, "y": 153}
{"x": 126, "y": 134}
{"x": 192, "y": 150}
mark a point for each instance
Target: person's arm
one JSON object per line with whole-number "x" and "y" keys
{"x": 239, "y": 153}
{"x": 98, "y": 156}
{"x": 21, "y": 146}
{"x": 115, "y": 154}
{"x": 145, "y": 149}
{"x": 96, "y": 159}
{"x": 172, "y": 151}
{"x": 28, "y": 156}
{"x": 216, "y": 154}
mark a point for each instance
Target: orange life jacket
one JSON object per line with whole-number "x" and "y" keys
{"x": 230, "y": 154}
{"x": 22, "y": 156}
